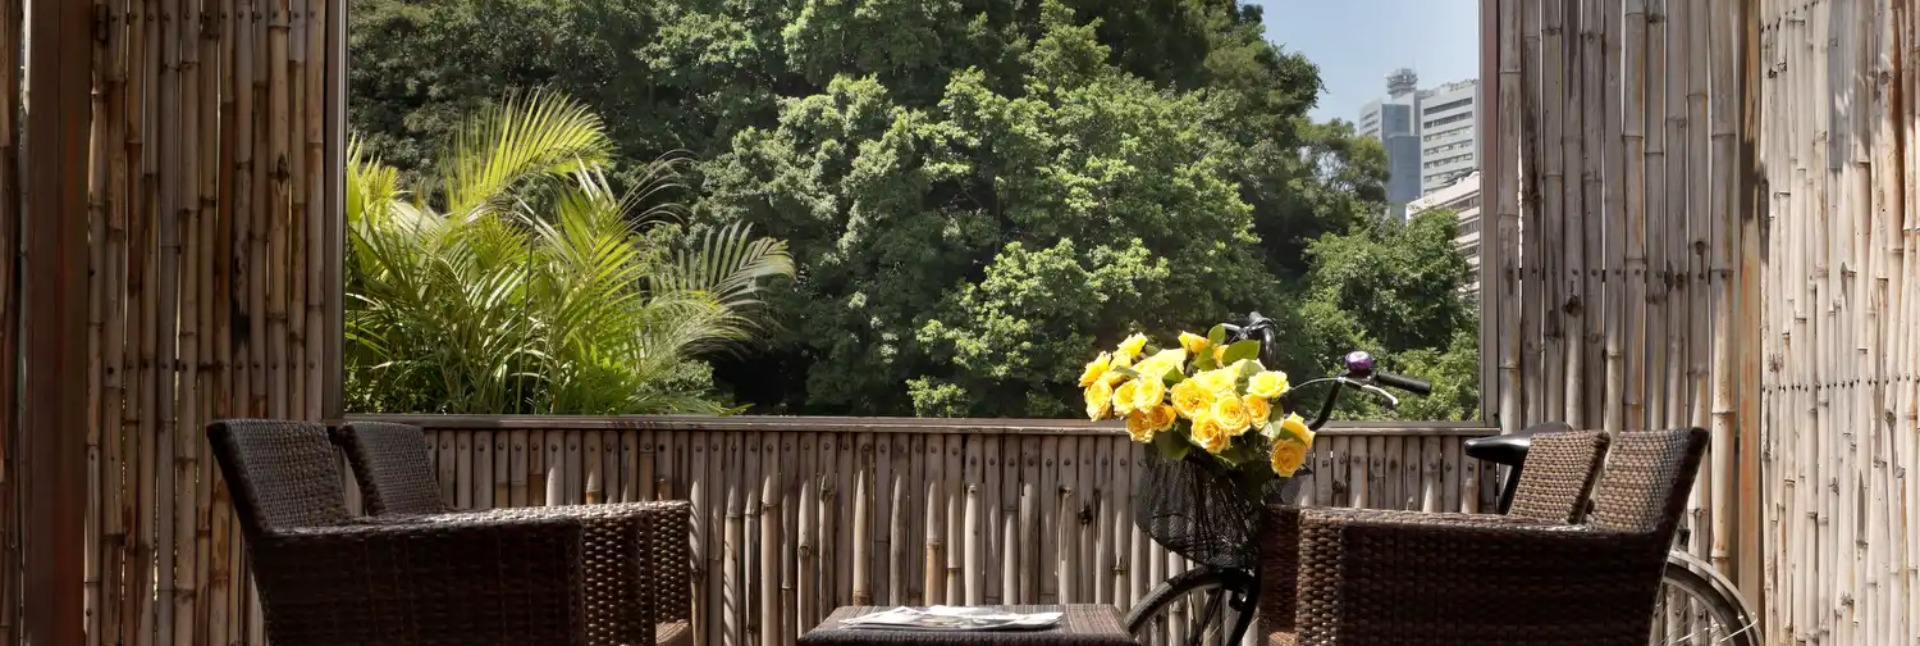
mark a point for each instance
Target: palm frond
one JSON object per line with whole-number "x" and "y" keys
{"x": 528, "y": 138}
{"x": 728, "y": 263}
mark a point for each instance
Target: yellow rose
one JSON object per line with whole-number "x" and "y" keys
{"x": 1191, "y": 399}
{"x": 1193, "y": 343}
{"x": 1209, "y": 435}
{"x": 1161, "y": 363}
{"x": 1114, "y": 377}
{"x": 1131, "y": 347}
{"x": 1150, "y": 392}
{"x": 1218, "y": 382}
{"x": 1258, "y": 409}
{"x": 1099, "y": 400}
{"x": 1095, "y": 370}
{"x": 1297, "y": 427}
{"x": 1287, "y": 457}
{"x": 1268, "y": 384}
{"x": 1162, "y": 417}
{"x": 1231, "y": 414}
{"x": 1219, "y": 354}
{"x": 1140, "y": 427}
{"x": 1123, "y": 397}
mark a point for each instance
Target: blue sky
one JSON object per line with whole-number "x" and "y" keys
{"x": 1357, "y": 42}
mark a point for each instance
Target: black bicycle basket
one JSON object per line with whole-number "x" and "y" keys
{"x": 1204, "y": 511}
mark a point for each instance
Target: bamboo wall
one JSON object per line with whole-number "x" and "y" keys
{"x": 1708, "y": 224}
{"x": 209, "y": 264}
{"x": 1615, "y": 267}
{"x": 796, "y": 516}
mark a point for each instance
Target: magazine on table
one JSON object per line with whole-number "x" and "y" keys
{"x": 954, "y": 618}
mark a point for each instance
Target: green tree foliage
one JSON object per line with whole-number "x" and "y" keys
{"x": 526, "y": 287}
{"x": 1394, "y": 290}
{"x": 977, "y": 192}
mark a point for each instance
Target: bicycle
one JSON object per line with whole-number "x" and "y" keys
{"x": 1698, "y": 605}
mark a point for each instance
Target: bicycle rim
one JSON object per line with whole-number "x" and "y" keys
{"x": 1699, "y": 609}
{"x": 1196, "y": 607}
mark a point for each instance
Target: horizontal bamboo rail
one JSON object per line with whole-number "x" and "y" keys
{"x": 796, "y": 516}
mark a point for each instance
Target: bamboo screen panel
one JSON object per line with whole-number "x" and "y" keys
{"x": 211, "y": 290}
{"x": 1711, "y": 224}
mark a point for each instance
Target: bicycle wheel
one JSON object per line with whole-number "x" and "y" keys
{"x": 1697, "y": 606}
{"x": 1200, "y": 606}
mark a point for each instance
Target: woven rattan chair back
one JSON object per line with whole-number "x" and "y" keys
{"x": 390, "y": 463}
{"x": 1558, "y": 478}
{"x": 283, "y": 474}
{"x": 1648, "y": 476}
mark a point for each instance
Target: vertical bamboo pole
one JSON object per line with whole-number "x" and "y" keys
{"x": 1613, "y": 225}
{"x": 750, "y": 582}
{"x": 1674, "y": 265}
{"x": 863, "y": 540}
{"x": 1698, "y": 283}
{"x": 931, "y": 471}
{"x": 1526, "y": 250}
{"x": 1551, "y": 164}
{"x": 733, "y": 582}
{"x": 710, "y": 452}
{"x": 1724, "y": 133}
{"x": 1631, "y": 342}
{"x": 954, "y": 481}
{"x": 94, "y": 521}
{"x": 296, "y": 258}
{"x": 166, "y": 367}
{"x": 1574, "y": 305}
{"x": 1504, "y": 254}
{"x": 112, "y": 277}
{"x": 196, "y": 148}
{"x": 770, "y": 547}
{"x": 1600, "y": 168}
{"x": 1651, "y": 344}
{"x": 808, "y": 542}
{"x": 12, "y": 44}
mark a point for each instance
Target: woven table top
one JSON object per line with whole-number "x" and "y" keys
{"x": 1089, "y": 624}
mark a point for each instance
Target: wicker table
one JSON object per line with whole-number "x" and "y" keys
{"x": 1082, "y": 625}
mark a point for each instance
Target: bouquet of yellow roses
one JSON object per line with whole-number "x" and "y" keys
{"x": 1203, "y": 393}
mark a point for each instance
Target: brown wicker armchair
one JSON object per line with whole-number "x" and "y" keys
{"x": 638, "y": 554}
{"x": 326, "y": 579}
{"x": 1381, "y": 580}
{"x": 1554, "y": 488}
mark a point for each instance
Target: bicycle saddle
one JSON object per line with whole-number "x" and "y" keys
{"x": 1511, "y": 449}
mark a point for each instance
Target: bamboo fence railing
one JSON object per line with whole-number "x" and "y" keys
{"x": 796, "y": 516}
{"x": 1703, "y": 217}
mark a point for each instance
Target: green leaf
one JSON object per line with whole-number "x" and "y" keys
{"x": 1241, "y": 350}
{"x": 1218, "y": 334}
{"x": 1175, "y": 376}
{"x": 1272, "y": 430}
{"x": 1127, "y": 371}
{"x": 1173, "y": 445}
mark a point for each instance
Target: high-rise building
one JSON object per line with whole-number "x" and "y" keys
{"x": 1463, "y": 198}
{"x": 1429, "y": 136}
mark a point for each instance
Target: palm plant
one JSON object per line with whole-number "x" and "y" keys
{"x": 515, "y": 281}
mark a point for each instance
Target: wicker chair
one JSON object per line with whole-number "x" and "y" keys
{"x": 638, "y": 557}
{"x": 327, "y": 579}
{"x": 1554, "y": 488}
{"x": 1397, "y": 580}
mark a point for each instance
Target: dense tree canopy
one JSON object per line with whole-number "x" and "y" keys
{"x": 976, "y": 193}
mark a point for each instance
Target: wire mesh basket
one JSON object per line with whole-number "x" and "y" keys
{"x": 1202, "y": 510}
